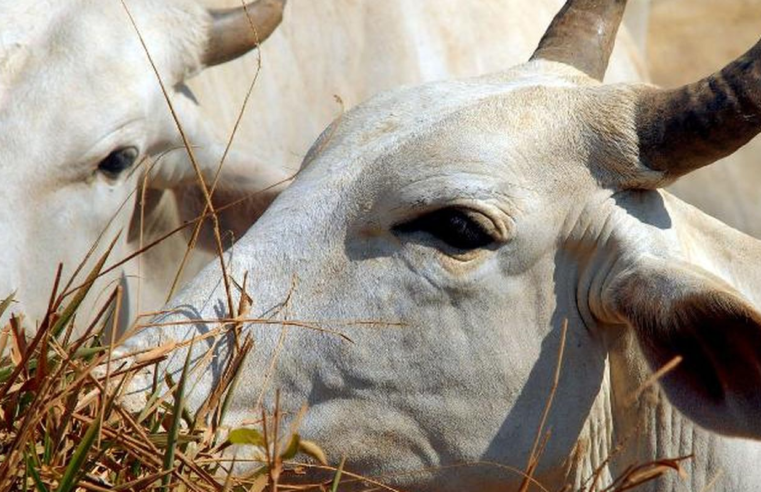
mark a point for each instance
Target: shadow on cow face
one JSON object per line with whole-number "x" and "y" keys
{"x": 83, "y": 118}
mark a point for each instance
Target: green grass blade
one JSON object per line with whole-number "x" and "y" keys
{"x": 228, "y": 397}
{"x": 47, "y": 455}
{"x": 31, "y": 468}
{"x": 71, "y": 474}
{"x": 77, "y": 466}
{"x": 337, "y": 478}
{"x": 147, "y": 410}
{"x": 312, "y": 450}
{"x": 26, "y": 478}
{"x": 5, "y": 304}
{"x": 162, "y": 439}
{"x": 251, "y": 437}
{"x": 176, "y": 418}
{"x": 87, "y": 353}
{"x": 7, "y": 372}
{"x": 292, "y": 448}
{"x": 65, "y": 421}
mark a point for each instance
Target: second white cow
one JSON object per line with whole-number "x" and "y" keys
{"x": 83, "y": 117}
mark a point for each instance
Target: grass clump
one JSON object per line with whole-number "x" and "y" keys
{"x": 63, "y": 428}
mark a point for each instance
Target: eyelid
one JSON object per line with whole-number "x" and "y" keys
{"x": 127, "y": 134}
{"x": 500, "y": 223}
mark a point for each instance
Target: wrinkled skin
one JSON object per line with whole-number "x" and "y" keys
{"x": 453, "y": 350}
{"x": 75, "y": 86}
{"x": 547, "y": 158}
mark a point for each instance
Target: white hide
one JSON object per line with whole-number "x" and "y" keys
{"x": 358, "y": 49}
{"x": 452, "y": 352}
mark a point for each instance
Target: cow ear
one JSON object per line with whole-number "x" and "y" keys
{"x": 243, "y": 188}
{"x": 243, "y": 192}
{"x": 677, "y": 309}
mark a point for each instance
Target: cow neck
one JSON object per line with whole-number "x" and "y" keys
{"x": 725, "y": 252}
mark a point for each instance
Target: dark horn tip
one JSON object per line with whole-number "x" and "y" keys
{"x": 234, "y": 32}
{"x": 684, "y": 129}
{"x": 582, "y": 35}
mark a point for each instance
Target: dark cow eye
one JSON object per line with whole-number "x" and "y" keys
{"x": 459, "y": 228}
{"x": 118, "y": 161}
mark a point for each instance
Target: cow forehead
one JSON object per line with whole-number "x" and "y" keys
{"x": 397, "y": 115}
{"x": 509, "y": 125}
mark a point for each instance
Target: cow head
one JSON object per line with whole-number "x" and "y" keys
{"x": 83, "y": 116}
{"x": 447, "y": 230}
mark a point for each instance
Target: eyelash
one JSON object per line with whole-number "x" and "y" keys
{"x": 452, "y": 226}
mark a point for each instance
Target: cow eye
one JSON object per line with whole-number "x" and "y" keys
{"x": 459, "y": 228}
{"x": 118, "y": 161}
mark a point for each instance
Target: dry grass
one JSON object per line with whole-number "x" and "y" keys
{"x": 62, "y": 426}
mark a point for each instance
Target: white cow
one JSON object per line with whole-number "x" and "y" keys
{"x": 405, "y": 42}
{"x": 354, "y": 50}
{"x": 83, "y": 117}
{"x": 448, "y": 230}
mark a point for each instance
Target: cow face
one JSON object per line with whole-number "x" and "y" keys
{"x": 412, "y": 284}
{"x": 83, "y": 117}
{"x": 447, "y": 231}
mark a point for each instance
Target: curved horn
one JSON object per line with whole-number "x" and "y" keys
{"x": 582, "y": 35}
{"x": 683, "y": 129}
{"x": 234, "y": 32}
